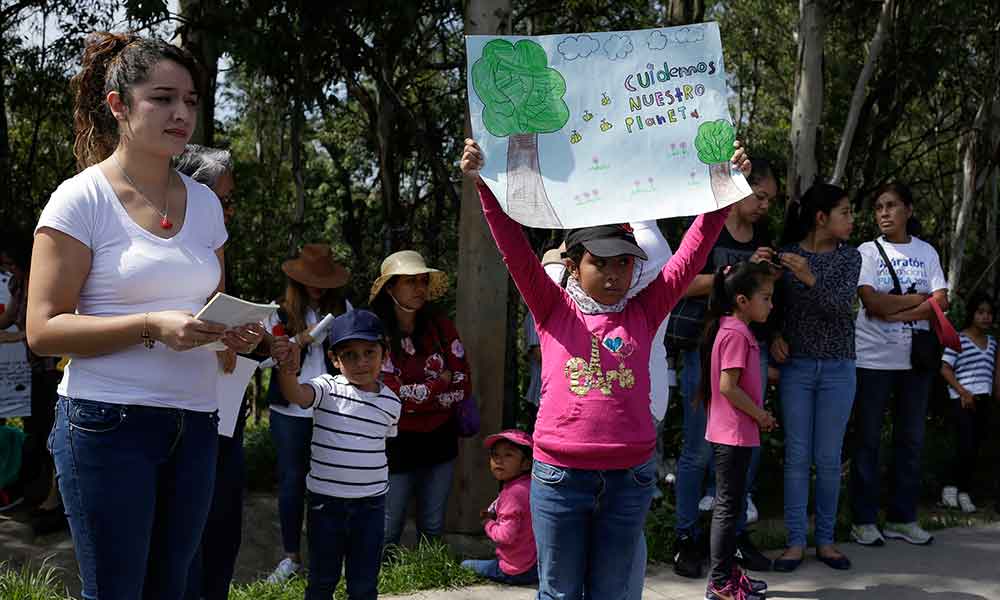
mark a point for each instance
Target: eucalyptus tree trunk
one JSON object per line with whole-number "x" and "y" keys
{"x": 200, "y": 41}
{"x": 858, "y": 98}
{"x": 963, "y": 218}
{"x": 808, "y": 106}
{"x": 482, "y": 316}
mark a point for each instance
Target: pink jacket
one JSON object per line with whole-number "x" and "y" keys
{"x": 595, "y": 368}
{"x": 511, "y": 530}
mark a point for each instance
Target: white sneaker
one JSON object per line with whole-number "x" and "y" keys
{"x": 867, "y": 535}
{"x": 285, "y": 570}
{"x": 910, "y": 532}
{"x": 752, "y": 514}
{"x": 706, "y": 504}
{"x": 949, "y": 496}
{"x": 965, "y": 503}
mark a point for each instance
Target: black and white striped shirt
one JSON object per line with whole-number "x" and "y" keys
{"x": 348, "y": 442}
{"x": 973, "y": 366}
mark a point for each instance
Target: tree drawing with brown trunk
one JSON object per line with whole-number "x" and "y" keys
{"x": 523, "y": 97}
{"x": 714, "y": 143}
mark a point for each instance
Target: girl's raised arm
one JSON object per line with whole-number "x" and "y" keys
{"x": 539, "y": 292}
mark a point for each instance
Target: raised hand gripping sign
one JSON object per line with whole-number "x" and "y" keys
{"x": 608, "y": 127}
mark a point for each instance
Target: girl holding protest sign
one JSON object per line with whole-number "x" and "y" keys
{"x": 594, "y": 472}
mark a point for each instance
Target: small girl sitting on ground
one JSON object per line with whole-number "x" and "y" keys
{"x": 970, "y": 375}
{"x": 731, "y": 385}
{"x": 508, "y": 520}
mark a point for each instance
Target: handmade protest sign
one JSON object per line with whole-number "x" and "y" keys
{"x": 607, "y": 127}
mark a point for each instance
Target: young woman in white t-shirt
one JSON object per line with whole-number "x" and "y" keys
{"x": 313, "y": 290}
{"x": 883, "y": 338}
{"x": 125, "y": 253}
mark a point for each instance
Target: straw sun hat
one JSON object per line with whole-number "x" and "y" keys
{"x": 408, "y": 262}
{"x": 316, "y": 267}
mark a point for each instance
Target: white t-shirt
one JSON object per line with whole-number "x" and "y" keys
{"x": 347, "y": 455}
{"x": 313, "y": 364}
{"x": 881, "y": 344}
{"x": 133, "y": 271}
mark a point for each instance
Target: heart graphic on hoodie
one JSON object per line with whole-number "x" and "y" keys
{"x": 613, "y": 344}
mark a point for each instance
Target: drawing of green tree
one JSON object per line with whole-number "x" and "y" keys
{"x": 714, "y": 144}
{"x": 523, "y": 98}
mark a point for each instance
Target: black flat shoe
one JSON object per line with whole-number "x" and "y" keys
{"x": 840, "y": 563}
{"x": 786, "y": 565}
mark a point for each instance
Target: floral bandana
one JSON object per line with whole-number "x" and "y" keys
{"x": 588, "y": 305}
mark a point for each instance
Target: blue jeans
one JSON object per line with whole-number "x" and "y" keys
{"x": 431, "y": 485}
{"x": 490, "y": 569}
{"x": 345, "y": 533}
{"x": 136, "y": 482}
{"x": 911, "y": 390}
{"x": 292, "y": 438}
{"x": 587, "y": 526}
{"x": 637, "y": 579}
{"x": 816, "y": 401}
{"x": 213, "y": 566}
{"x": 696, "y": 453}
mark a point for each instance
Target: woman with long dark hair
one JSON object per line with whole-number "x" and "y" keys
{"x": 313, "y": 290}
{"x": 818, "y": 375}
{"x": 125, "y": 252}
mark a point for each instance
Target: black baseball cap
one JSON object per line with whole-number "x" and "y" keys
{"x": 356, "y": 325}
{"x": 606, "y": 241}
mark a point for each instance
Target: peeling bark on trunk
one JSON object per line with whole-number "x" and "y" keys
{"x": 527, "y": 202}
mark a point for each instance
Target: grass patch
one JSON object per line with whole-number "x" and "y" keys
{"x": 429, "y": 566}
{"x": 28, "y": 583}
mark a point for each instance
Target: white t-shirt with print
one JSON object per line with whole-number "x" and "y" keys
{"x": 313, "y": 364}
{"x": 133, "y": 272}
{"x": 881, "y": 344}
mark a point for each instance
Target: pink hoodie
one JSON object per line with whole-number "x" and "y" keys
{"x": 595, "y": 368}
{"x": 511, "y": 530}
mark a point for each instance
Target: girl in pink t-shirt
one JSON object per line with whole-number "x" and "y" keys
{"x": 731, "y": 384}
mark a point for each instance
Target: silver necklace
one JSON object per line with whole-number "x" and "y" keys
{"x": 164, "y": 221}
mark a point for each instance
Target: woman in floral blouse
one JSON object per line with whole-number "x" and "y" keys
{"x": 428, "y": 371}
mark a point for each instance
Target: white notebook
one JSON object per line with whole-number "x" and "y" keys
{"x": 233, "y": 312}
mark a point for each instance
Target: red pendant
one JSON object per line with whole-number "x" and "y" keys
{"x": 165, "y": 223}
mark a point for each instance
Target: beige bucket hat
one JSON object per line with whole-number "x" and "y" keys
{"x": 408, "y": 262}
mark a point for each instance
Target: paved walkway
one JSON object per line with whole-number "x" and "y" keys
{"x": 961, "y": 564}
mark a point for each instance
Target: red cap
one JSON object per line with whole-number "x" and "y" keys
{"x": 946, "y": 334}
{"x": 514, "y": 436}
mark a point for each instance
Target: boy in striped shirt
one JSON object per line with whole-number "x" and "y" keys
{"x": 354, "y": 412}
